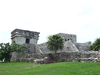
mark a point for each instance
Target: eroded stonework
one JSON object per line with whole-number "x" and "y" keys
{"x": 26, "y": 37}
{"x": 67, "y": 37}
{"x": 72, "y": 50}
{"x": 70, "y": 44}
{"x": 30, "y": 39}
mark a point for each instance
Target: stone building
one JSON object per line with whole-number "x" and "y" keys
{"x": 67, "y": 37}
{"x": 70, "y": 44}
{"x": 71, "y": 49}
{"x": 30, "y": 39}
{"x": 71, "y": 40}
{"x": 26, "y": 37}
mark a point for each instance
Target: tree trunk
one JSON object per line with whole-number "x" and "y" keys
{"x": 55, "y": 56}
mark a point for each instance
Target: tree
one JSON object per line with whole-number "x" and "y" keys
{"x": 17, "y": 47}
{"x": 55, "y": 42}
{"x": 6, "y": 49}
{"x": 96, "y": 45}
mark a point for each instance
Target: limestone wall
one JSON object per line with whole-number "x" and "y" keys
{"x": 68, "y": 37}
{"x": 30, "y": 48}
{"x": 83, "y": 46}
{"x": 68, "y": 46}
{"x": 64, "y": 56}
{"x": 44, "y": 49}
{"x": 26, "y": 57}
{"x": 78, "y": 56}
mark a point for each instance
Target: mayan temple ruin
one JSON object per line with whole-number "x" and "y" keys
{"x": 26, "y": 37}
{"x": 69, "y": 45}
{"x": 71, "y": 51}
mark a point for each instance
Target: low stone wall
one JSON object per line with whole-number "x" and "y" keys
{"x": 77, "y": 56}
{"x": 60, "y": 57}
{"x": 25, "y": 57}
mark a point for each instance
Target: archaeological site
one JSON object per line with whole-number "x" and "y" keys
{"x": 72, "y": 51}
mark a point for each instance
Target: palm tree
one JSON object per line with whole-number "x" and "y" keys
{"x": 96, "y": 45}
{"x": 55, "y": 42}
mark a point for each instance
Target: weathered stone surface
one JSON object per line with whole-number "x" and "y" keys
{"x": 83, "y": 46}
{"x": 17, "y": 56}
{"x": 68, "y": 37}
{"x": 86, "y": 56}
{"x": 44, "y": 49}
{"x": 37, "y": 49}
{"x": 72, "y": 50}
{"x": 69, "y": 45}
{"x": 41, "y": 61}
{"x": 30, "y": 48}
{"x": 24, "y": 36}
{"x": 28, "y": 38}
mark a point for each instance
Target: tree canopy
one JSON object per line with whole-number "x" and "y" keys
{"x": 55, "y": 42}
{"x": 6, "y": 49}
{"x": 96, "y": 45}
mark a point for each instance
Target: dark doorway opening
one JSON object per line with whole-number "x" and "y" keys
{"x": 27, "y": 41}
{"x": 51, "y": 56}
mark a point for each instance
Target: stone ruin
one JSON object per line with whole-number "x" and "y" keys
{"x": 70, "y": 44}
{"x": 72, "y": 50}
{"x": 26, "y": 37}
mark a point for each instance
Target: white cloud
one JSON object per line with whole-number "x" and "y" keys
{"x": 80, "y": 17}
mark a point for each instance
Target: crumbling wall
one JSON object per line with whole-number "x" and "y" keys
{"x": 78, "y": 56}
{"x": 87, "y": 56}
{"x": 68, "y": 46}
{"x": 83, "y": 46}
{"x": 68, "y": 37}
{"x": 44, "y": 49}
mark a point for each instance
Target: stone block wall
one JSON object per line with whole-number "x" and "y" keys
{"x": 68, "y": 37}
{"x": 83, "y": 46}
{"x": 77, "y": 56}
{"x": 60, "y": 57}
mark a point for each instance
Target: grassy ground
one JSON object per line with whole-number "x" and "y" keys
{"x": 64, "y": 68}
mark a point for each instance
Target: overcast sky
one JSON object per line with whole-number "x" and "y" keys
{"x": 80, "y": 17}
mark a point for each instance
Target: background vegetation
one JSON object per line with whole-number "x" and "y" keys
{"x": 96, "y": 45}
{"x": 55, "y": 42}
{"x": 6, "y": 49}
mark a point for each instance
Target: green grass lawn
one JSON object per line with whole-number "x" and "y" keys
{"x": 62, "y": 68}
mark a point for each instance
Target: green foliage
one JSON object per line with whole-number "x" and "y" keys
{"x": 17, "y": 47}
{"x": 6, "y": 49}
{"x": 55, "y": 42}
{"x": 96, "y": 45}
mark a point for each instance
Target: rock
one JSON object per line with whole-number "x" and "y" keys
{"x": 40, "y": 61}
